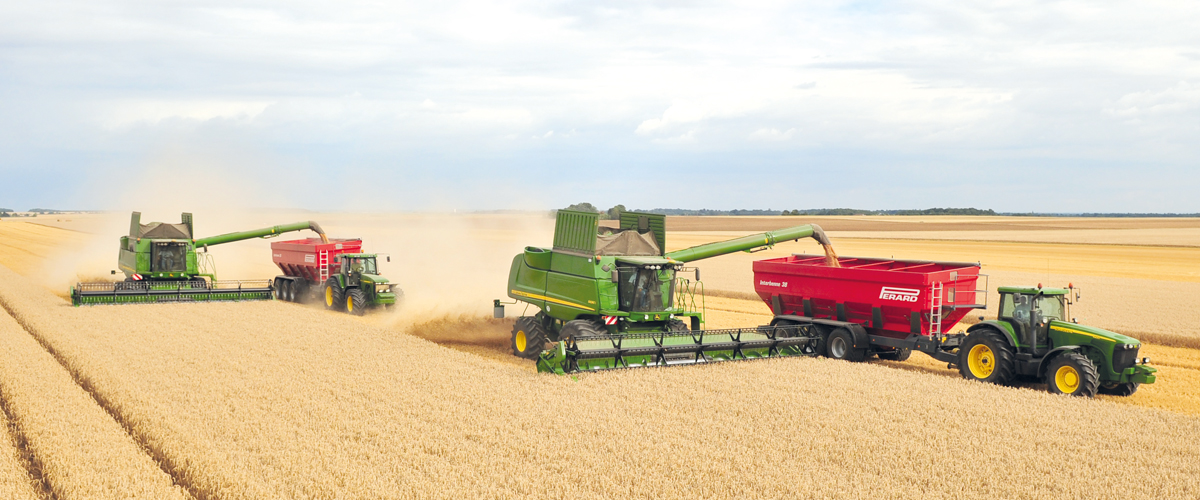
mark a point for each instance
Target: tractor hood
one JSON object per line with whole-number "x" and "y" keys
{"x": 1093, "y": 332}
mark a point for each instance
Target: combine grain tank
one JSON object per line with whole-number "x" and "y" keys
{"x": 889, "y": 308}
{"x": 335, "y": 270}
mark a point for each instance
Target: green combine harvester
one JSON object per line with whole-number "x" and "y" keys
{"x": 161, "y": 264}
{"x": 613, "y": 298}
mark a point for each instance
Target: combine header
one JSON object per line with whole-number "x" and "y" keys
{"x": 613, "y": 299}
{"x": 161, "y": 264}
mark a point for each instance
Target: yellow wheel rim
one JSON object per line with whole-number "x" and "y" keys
{"x": 521, "y": 341}
{"x": 329, "y": 296}
{"x": 981, "y": 361}
{"x": 350, "y": 303}
{"x": 1067, "y": 379}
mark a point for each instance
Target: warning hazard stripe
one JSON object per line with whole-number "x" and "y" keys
{"x": 610, "y": 320}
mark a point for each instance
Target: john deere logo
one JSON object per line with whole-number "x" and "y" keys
{"x": 901, "y": 294}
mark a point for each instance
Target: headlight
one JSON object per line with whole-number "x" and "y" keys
{"x": 382, "y": 288}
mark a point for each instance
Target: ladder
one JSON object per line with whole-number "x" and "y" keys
{"x": 935, "y": 309}
{"x": 323, "y": 265}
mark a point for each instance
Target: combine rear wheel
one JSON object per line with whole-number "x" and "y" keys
{"x": 528, "y": 337}
{"x": 1126, "y": 389}
{"x": 987, "y": 357}
{"x": 334, "y": 297}
{"x": 1072, "y": 374}
{"x": 840, "y": 345}
{"x": 356, "y": 302}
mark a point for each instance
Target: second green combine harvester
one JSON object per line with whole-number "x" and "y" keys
{"x": 614, "y": 298}
{"x": 161, "y": 264}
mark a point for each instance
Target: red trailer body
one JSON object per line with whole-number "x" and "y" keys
{"x": 892, "y": 298}
{"x": 310, "y": 258}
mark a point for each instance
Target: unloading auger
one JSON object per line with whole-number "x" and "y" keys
{"x": 161, "y": 264}
{"x": 612, "y": 298}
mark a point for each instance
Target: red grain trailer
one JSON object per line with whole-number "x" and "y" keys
{"x": 307, "y": 263}
{"x": 873, "y": 306}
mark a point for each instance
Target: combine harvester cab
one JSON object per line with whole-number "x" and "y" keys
{"x": 889, "y": 308}
{"x": 612, "y": 298}
{"x": 161, "y": 264}
{"x": 335, "y": 271}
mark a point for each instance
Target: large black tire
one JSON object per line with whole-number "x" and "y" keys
{"x": 298, "y": 292}
{"x": 675, "y": 325}
{"x": 1073, "y": 374}
{"x": 356, "y": 302}
{"x": 587, "y": 328}
{"x": 334, "y": 296}
{"x": 1126, "y": 389}
{"x": 278, "y": 284}
{"x": 900, "y": 354}
{"x": 986, "y": 356}
{"x": 528, "y": 337}
{"x": 840, "y": 345}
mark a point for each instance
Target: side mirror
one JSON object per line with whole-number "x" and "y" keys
{"x": 497, "y": 309}
{"x": 389, "y": 258}
{"x": 615, "y": 277}
{"x": 697, "y": 274}
{"x": 114, "y": 271}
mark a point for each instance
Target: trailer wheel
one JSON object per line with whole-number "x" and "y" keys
{"x": 1072, "y": 374}
{"x": 334, "y": 297}
{"x": 900, "y": 354}
{"x": 528, "y": 337}
{"x": 299, "y": 292}
{"x": 279, "y": 288}
{"x": 987, "y": 357}
{"x": 840, "y": 345}
{"x": 356, "y": 302}
{"x": 1126, "y": 389}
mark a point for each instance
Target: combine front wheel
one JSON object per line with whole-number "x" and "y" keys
{"x": 528, "y": 337}
{"x": 356, "y": 302}
{"x": 985, "y": 356}
{"x": 1072, "y": 374}
{"x": 334, "y": 297}
{"x": 1126, "y": 389}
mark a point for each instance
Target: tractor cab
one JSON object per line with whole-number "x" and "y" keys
{"x": 355, "y": 265}
{"x": 1030, "y": 310}
{"x": 646, "y": 284}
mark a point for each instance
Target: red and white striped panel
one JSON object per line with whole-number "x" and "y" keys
{"x": 610, "y": 320}
{"x": 137, "y": 277}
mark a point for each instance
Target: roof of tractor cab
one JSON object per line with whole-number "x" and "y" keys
{"x": 1030, "y": 290}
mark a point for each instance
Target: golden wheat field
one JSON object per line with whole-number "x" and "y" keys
{"x": 279, "y": 400}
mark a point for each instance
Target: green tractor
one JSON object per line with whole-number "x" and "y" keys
{"x": 1032, "y": 340}
{"x": 358, "y": 285}
{"x": 613, "y": 298}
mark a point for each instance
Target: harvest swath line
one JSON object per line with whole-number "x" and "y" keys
{"x": 30, "y": 462}
{"x": 161, "y": 459}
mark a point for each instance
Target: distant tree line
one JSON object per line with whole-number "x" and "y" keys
{"x": 615, "y": 212}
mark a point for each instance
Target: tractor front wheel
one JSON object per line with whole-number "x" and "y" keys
{"x": 335, "y": 298}
{"x": 1072, "y": 374}
{"x": 528, "y": 337}
{"x": 986, "y": 357}
{"x": 356, "y": 302}
{"x": 840, "y": 345}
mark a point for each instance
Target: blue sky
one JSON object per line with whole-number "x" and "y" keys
{"x": 1014, "y": 106}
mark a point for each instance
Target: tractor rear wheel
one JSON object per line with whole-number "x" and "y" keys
{"x": 840, "y": 345}
{"x": 334, "y": 296}
{"x": 356, "y": 302}
{"x": 900, "y": 354}
{"x": 1072, "y": 374}
{"x": 1126, "y": 389}
{"x": 528, "y": 337}
{"x": 987, "y": 357}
